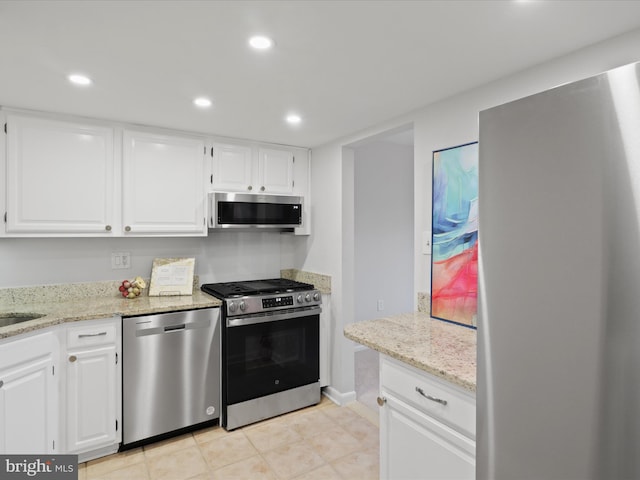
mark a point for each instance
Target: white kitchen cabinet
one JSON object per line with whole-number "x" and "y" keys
{"x": 163, "y": 184}
{"x": 253, "y": 169}
{"x": 427, "y": 426}
{"x": 231, "y": 168}
{"x": 29, "y": 394}
{"x": 75, "y": 177}
{"x": 93, "y": 386}
{"x": 60, "y": 390}
{"x": 59, "y": 176}
{"x": 275, "y": 170}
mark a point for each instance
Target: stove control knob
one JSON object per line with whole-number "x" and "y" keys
{"x": 243, "y": 306}
{"x": 299, "y": 299}
{"x": 307, "y": 297}
{"x": 316, "y": 296}
{"x": 232, "y": 306}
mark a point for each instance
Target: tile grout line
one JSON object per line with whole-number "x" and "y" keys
{"x": 286, "y": 423}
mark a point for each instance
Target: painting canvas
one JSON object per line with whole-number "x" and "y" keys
{"x": 454, "y": 241}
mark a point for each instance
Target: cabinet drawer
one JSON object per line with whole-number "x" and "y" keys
{"x": 88, "y": 335}
{"x": 414, "y": 387}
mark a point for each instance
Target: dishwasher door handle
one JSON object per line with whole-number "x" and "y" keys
{"x": 150, "y": 329}
{"x": 173, "y": 328}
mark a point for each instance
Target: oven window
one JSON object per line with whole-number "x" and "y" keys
{"x": 271, "y": 357}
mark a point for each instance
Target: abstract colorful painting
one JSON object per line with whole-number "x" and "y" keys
{"x": 454, "y": 239}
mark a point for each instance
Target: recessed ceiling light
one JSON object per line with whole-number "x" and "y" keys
{"x": 202, "y": 102}
{"x": 293, "y": 119}
{"x": 78, "y": 79}
{"x": 260, "y": 42}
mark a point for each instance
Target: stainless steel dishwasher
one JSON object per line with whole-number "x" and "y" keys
{"x": 170, "y": 373}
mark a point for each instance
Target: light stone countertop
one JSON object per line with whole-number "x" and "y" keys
{"x": 318, "y": 280}
{"x": 72, "y": 302}
{"x": 440, "y": 348}
{"x": 93, "y": 307}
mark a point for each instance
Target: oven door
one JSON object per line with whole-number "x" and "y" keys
{"x": 271, "y": 353}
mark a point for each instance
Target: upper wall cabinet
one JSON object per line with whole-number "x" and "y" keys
{"x": 163, "y": 184}
{"x": 60, "y": 176}
{"x": 275, "y": 170}
{"x": 231, "y": 168}
{"x": 74, "y": 177}
{"x": 241, "y": 168}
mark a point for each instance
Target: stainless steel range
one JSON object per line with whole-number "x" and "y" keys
{"x": 270, "y": 348}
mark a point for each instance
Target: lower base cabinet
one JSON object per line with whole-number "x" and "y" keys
{"x": 60, "y": 390}
{"x": 93, "y": 387}
{"x": 29, "y": 395}
{"x": 427, "y": 427}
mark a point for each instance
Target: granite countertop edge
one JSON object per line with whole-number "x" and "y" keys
{"x": 92, "y": 308}
{"x": 444, "y": 350}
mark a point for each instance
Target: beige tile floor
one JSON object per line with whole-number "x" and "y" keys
{"x": 323, "y": 442}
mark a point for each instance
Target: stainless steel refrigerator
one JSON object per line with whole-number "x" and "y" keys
{"x": 559, "y": 317}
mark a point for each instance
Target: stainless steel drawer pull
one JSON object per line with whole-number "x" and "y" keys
{"x": 83, "y": 335}
{"x": 429, "y": 397}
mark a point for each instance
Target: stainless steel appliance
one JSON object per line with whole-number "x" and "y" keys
{"x": 270, "y": 348}
{"x": 559, "y": 324}
{"x": 249, "y": 210}
{"x": 170, "y": 373}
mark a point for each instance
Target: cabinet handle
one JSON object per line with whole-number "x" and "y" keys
{"x": 108, "y": 228}
{"x": 1, "y": 383}
{"x": 127, "y": 228}
{"x": 262, "y": 189}
{"x": 381, "y": 401}
{"x": 73, "y": 358}
{"x": 83, "y": 335}
{"x": 249, "y": 187}
{"x": 429, "y": 397}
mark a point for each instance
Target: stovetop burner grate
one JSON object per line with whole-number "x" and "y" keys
{"x": 254, "y": 287}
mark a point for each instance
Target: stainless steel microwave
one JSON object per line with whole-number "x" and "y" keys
{"x": 252, "y": 210}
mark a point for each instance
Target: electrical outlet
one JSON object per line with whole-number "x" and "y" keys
{"x": 120, "y": 260}
{"x": 380, "y": 305}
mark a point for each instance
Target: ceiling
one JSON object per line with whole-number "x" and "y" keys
{"x": 343, "y": 66}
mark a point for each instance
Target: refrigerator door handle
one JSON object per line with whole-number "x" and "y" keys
{"x": 429, "y": 397}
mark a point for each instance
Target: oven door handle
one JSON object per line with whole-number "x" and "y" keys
{"x": 253, "y": 319}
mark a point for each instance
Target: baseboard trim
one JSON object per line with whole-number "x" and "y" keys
{"x": 338, "y": 397}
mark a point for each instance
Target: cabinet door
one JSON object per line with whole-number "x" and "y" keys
{"x": 91, "y": 398}
{"x": 28, "y": 396}
{"x": 163, "y": 184}
{"x": 231, "y": 168}
{"x": 60, "y": 177}
{"x": 415, "y": 446}
{"x": 275, "y": 171}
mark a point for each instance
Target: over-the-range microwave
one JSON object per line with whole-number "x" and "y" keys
{"x": 254, "y": 210}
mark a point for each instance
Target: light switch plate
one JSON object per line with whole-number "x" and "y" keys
{"x": 426, "y": 243}
{"x": 120, "y": 260}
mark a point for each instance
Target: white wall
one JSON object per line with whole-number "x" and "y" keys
{"x": 453, "y": 121}
{"x": 383, "y": 203}
{"x": 222, "y": 256}
{"x": 331, "y": 237}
